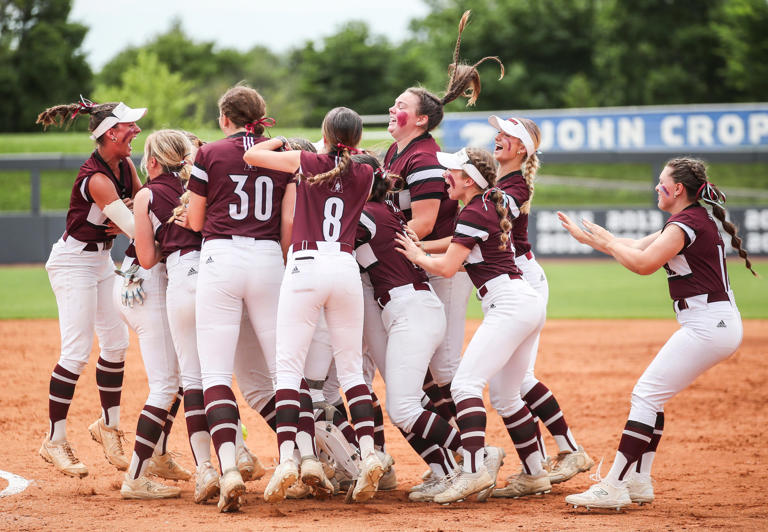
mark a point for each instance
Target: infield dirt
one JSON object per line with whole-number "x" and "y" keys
{"x": 710, "y": 472}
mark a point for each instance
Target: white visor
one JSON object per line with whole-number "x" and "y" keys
{"x": 460, "y": 161}
{"x": 120, "y": 114}
{"x": 514, "y": 128}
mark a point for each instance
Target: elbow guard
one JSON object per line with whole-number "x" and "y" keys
{"x": 122, "y": 216}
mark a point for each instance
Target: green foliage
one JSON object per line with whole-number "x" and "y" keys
{"x": 41, "y": 63}
{"x": 171, "y": 99}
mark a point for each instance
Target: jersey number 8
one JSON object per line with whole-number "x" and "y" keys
{"x": 262, "y": 203}
{"x": 334, "y": 209}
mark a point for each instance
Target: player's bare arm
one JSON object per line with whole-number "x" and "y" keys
{"x": 104, "y": 194}
{"x": 286, "y": 217}
{"x": 196, "y": 211}
{"x": 424, "y": 216}
{"x": 445, "y": 265}
{"x": 263, "y": 154}
{"x": 147, "y": 249}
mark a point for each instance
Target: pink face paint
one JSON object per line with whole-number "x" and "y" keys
{"x": 664, "y": 190}
{"x": 402, "y": 118}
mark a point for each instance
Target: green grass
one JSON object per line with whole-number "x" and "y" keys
{"x": 578, "y": 289}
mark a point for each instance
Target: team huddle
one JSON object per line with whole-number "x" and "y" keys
{"x": 301, "y": 269}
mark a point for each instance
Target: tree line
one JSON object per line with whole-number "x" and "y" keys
{"x": 580, "y": 53}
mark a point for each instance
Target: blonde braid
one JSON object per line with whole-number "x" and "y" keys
{"x": 531, "y": 166}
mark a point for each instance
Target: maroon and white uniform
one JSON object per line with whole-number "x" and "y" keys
{"x": 81, "y": 272}
{"x": 241, "y": 263}
{"x": 711, "y": 328}
{"x": 710, "y": 331}
{"x": 321, "y": 274}
{"x": 423, "y": 179}
{"x": 412, "y": 315}
{"x": 499, "y": 352}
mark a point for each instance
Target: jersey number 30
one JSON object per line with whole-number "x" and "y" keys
{"x": 262, "y": 198}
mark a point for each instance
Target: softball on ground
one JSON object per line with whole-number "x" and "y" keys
{"x": 244, "y": 429}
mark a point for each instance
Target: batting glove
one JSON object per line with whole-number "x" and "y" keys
{"x": 132, "y": 289}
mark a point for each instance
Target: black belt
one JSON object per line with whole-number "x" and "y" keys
{"x": 712, "y": 297}
{"x": 91, "y": 246}
{"x": 387, "y": 297}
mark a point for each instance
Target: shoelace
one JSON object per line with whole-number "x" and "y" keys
{"x": 120, "y": 440}
{"x": 70, "y": 453}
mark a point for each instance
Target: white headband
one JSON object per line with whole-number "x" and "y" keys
{"x": 460, "y": 161}
{"x": 120, "y": 114}
{"x": 514, "y": 128}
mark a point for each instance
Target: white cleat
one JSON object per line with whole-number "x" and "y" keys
{"x": 494, "y": 459}
{"x": 231, "y": 489}
{"x": 144, "y": 489}
{"x": 63, "y": 458}
{"x": 111, "y": 440}
{"x": 640, "y": 487}
{"x": 523, "y": 484}
{"x": 313, "y": 475}
{"x": 569, "y": 464}
{"x": 206, "y": 483}
{"x": 371, "y": 471}
{"x": 464, "y": 485}
{"x": 164, "y": 466}
{"x": 602, "y": 495}
{"x": 285, "y": 475}
{"x": 249, "y": 465}
{"x": 434, "y": 485}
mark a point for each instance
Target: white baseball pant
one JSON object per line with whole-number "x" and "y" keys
{"x": 255, "y": 376}
{"x": 150, "y": 322}
{"x": 83, "y": 282}
{"x": 708, "y": 334}
{"x": 180, "y": 303}
{"x": 315, "y": 280}
{"x": 454, "y": 293}
{"x": 233, "y": 273}
{"x": 374, "y": 334}
{"x": 415, "y": 324}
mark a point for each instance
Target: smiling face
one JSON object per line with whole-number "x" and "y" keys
{"x": 457, "y": 183}
{"x": 403, "y": 118}
{"x": 507, "y": 148}
{"x": 123, "y": 134}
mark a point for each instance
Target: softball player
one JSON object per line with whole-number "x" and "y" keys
{"x": 239, "y": 208}
{"x": 81, "y": 273}
{"x": 513, "y": 317}
{"x": 691, "y": 250}
{"x": 515, "y": 150}
{"x": 424, "y": 199}
{"x": 165, "y": 154}
{"x": 321, "y": 273}
{"x": 414, "y": 324}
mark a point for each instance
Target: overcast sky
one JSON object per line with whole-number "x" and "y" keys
{"x": 239, "y": 24}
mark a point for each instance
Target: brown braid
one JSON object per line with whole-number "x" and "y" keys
{"x": 486, "y": 164}
{"x": 463, "y": 80}
{"x": 340, "y": 126}
{"x": 54, "y": 116}
{"x": 693, "y": 174}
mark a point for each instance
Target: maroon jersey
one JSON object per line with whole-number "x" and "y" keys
{"x": 242, "y": 200}
{"x": 514, "y": 186}
{"x": 85, "y": 221}
{"x": 423, "y": 179}
{"x": 376, "y": 251}
{"x": 166, "y": 190}
{"x": 477, "y": 228}
{"x": 329, "y": 211}
{"x": 699, "y": 268}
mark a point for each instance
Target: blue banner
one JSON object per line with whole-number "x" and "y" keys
{"x": 693, "y": 128}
